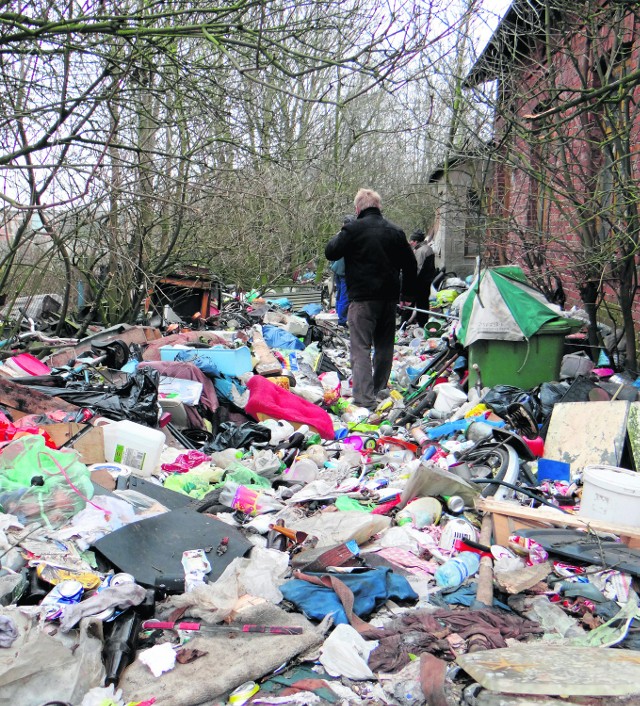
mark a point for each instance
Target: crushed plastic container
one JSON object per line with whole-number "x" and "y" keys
{"x": 133, "y": 445}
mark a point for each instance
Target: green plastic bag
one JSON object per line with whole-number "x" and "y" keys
{"x": 39, "y": 483}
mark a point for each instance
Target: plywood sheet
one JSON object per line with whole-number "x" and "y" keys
{"x": 587, "y": 433}
{"x": 552, "y": 670}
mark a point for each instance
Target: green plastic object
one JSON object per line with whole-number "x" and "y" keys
{"x": 523, "y": 364}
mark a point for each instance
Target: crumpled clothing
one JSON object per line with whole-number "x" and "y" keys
{"x": 371, "y": 589}
{"x": 189, "y": 371}
{"x": 186, "y": 461}
{"x": 425, "y": 631}
{"x": 8, "y": 631}
{"x": 123, "y": 596}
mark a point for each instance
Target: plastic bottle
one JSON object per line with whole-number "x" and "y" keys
{"x": 454, "y": 572}
{"x": 395, "y": 458}
{"x": 302, "y": 469}
{"x": 247, "y": 500}
{"x": 120, "y": 645}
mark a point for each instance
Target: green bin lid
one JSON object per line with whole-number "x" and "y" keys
{"x": 560, "y": 326}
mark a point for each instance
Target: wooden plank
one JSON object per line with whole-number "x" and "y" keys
{"x": 587, "y": 433}
{"x": 547, "y": 515}
{"x": 90, "y": 445}
{"x": 29, "y": 401}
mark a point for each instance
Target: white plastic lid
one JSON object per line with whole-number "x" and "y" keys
{"x": 618, "y": 480}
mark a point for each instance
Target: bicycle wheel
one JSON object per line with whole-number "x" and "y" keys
{"x": 487, "y": 462}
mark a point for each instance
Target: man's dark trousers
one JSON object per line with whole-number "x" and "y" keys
{"x": 372, "y": 325}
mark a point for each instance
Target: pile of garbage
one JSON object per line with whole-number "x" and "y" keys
{"x": 205, "y": 517}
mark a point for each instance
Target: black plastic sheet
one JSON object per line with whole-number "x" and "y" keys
{"x": 231, "y": 435}
{"x": 136, "y": 399}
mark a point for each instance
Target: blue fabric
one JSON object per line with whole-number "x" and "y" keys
{"x": 371, "y": 589}
{"x": 222, "y": 383}
{"x": 338, "y": 268}
{"x": 311, "y": 309}
{"x": 276, "y": 337}
{"x": 342, "y": 299}
{"x": 283, "y": 302}
{"x": 466, "y": 596}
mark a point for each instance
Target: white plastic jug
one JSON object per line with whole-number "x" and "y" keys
{"x": 134, "y": 445}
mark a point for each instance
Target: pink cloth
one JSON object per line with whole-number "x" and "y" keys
{"x": 265, "y": 397}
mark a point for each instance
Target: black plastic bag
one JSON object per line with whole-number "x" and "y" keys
{"x": 136, "y": 400}
{"x": 231, "y": 435}
{"x": 500, "y": 397}
{"x": 550, "y": 393}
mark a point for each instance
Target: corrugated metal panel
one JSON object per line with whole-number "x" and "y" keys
{"x": 298, "y": 295}
{"x": 32, "y": 305}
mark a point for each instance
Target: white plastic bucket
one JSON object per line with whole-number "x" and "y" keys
{"x": 611, "y": 494}
{"x": 133, "y": 445}
{"x": 449, "y": 397}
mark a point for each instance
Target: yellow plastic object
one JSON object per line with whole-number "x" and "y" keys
{"x": 478, "y": 410}
{"x": 55, "y": 574}
{"x": 243, "y": 693}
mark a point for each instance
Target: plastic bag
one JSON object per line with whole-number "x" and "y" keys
{"x": 501, "y": 396}
{"x": 136, "y": 400}
{"x": 56, "y": 668}
{"x": 331, "y": 387}
{"x": 41, "y": 483}
{"x": 238, "y": 437}
{"x": 345, "y": 654}
{"x": 276, "y": 337}
{"x": 549, "y": 394}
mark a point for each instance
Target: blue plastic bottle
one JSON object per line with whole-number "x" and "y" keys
{"x": 453, "y": 573}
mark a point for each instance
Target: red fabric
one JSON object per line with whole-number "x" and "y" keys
{"x": 265, "y": 397}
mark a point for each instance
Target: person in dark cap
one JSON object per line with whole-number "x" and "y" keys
{"x": 378, "y": 266}
{"x": 426, "y": 262}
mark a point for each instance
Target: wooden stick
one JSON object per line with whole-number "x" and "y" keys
{"x": 485, "y": 572}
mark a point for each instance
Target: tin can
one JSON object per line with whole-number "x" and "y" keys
{"x": 419, "y": 436}
{"x": 455, "y": 504}
{"x": 69, "y": 591}
{"x": 243, "y": 693}
{"x": 112, "y": 580}
{"x": 119, "y": 579}
{"x": 65, "y": 592}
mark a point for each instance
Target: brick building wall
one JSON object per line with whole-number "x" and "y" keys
{"x": 549, "y": 194}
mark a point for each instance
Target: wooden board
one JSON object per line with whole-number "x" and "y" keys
{"x": 509, "y": 516}
{"x": 587, "y": 433}
{"x": 29, "y": 401}
{"x": 90, "y": 445}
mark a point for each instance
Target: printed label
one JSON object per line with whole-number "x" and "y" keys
{"x": 245, "y": 500}
{"x": 129, "y": 457}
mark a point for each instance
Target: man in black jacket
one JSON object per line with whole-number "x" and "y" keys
{"x": 379, "y": 265}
